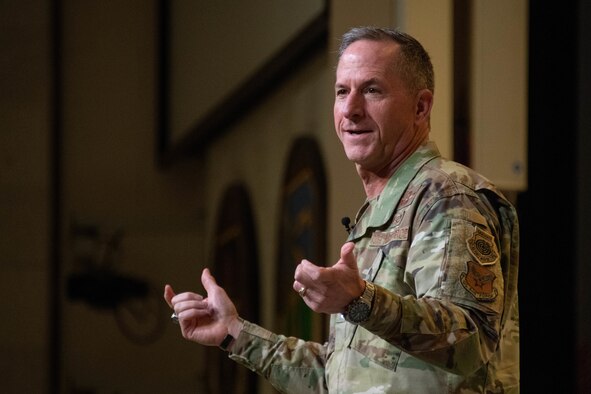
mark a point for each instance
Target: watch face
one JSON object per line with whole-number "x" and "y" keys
{"x": 358, "y": 312}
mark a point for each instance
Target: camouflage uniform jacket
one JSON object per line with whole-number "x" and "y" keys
{"x": 441, "y": 245}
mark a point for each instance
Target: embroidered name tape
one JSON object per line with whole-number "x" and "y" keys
{"x": 383, "y": 238}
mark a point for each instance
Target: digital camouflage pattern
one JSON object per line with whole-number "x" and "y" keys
{"x": 442, "y": 246}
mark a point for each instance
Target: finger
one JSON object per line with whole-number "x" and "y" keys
{"x": 168, "y": 295}
{"x": 208, "y": 281}
{"x": 306, "y": 272}
{"x": 198, "y": 306}
{"x": 298, "y": 287}
{"x": 297, "y": 275}
{"x": 193, "y": 314}
{"x": 184, "y": 297}
{"x": 190, "y": 303}
{"x": 347, "y": 255}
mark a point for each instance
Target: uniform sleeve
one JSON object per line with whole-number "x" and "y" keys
{"x": 290, "y": 364}
{"x": 451, "y": 316}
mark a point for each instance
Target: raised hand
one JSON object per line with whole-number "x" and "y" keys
{"x": 330, "y": 289}
{"x": 205, "y": 320}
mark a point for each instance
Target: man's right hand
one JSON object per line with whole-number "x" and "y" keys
{"x": 208, "y": 320}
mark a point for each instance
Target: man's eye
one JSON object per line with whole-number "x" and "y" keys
{"x": 341, "y": 92}
{"x": 372, "y": 90}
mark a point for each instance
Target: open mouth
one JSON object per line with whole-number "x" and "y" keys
{"x": 357, "y": 132}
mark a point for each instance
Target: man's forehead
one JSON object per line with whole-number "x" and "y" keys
{"x": 367, "y": 52}
{"x": 370, "y": 55}
{"x": 376, "y": 46}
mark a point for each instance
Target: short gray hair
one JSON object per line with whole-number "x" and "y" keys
{"x": 414, "y": 63}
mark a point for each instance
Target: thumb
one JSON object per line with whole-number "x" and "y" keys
{"x": 168, "y": 294}
{"x": 208, "y": 280}
{"x": 347, "y": 255}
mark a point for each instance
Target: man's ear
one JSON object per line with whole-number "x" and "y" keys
{"x": 424, "y": 105}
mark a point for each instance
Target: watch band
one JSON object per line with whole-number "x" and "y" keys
{"x": 226, "y": 342}
{"x": 228, "y": 339}
{"x": 369, "y": 293}
{"x": 359, "y": 310}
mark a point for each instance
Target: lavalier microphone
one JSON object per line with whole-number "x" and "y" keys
{"x": 346, "y": 221}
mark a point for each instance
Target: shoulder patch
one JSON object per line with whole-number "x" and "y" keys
{"x": 479, "y": 282}
{"x": 482, "y": 247}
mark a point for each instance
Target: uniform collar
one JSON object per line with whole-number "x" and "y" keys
{"x": 377, "y": 211}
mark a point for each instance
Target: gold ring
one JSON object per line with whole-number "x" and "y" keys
{"x": 302, "y": 291}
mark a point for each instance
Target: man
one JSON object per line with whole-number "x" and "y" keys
{"x": 424, "y": 296}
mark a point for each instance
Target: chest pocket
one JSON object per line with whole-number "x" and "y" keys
{"x": 371, "y": 264}
{"x": 375, "y": 349}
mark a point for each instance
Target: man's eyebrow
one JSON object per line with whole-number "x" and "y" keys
{"x": 368, "y": 82}
{"x": 371, "y": 81}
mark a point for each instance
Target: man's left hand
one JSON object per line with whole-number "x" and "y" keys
{"x": 330, "y": 289}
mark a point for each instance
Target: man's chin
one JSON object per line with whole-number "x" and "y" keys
{"x": 355, "y": 156}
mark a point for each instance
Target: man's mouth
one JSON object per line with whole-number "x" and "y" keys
{"x": 357, "y": 132}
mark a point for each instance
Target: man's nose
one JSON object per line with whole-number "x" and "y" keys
{"x": 353, "y": 107}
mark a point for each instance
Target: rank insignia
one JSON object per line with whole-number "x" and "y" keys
{"x": 397, "y": 218}
{"x": 479, "y": 282}
{"x": 482, "y": 246}
{"x": 407, "y": 198}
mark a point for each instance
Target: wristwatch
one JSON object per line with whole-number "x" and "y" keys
{"x": 359, "y": 310}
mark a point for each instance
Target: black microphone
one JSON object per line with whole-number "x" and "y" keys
{"x": 346, "y": 221}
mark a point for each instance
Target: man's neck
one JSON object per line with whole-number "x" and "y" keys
{"x": 374, "y": 182}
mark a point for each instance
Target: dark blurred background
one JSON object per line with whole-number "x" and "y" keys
{"x": 100, "y": 206}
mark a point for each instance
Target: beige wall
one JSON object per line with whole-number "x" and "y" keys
{"x": 499, "y": 92}
{"x": 109, "y": 179}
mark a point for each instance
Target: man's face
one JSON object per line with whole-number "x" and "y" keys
{"x": 373, "y": 111}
